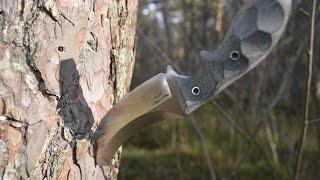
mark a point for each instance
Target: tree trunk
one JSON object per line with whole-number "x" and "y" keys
{"x": 63, "y": 64}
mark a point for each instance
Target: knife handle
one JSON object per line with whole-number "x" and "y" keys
{"x": 255, "y": 30}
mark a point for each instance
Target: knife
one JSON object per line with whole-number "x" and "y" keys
{"x": 255, "y": 30}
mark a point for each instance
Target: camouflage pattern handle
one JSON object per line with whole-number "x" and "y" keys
{"x": 255, "y": 30}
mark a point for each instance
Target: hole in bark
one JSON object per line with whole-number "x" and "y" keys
{"x": 61, "y": 48}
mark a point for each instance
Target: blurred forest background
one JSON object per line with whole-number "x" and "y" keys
{"x": 253, "y": 128}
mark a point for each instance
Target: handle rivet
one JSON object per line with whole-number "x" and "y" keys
{"x": 235, "y": 55}
{"x": 195, "y": 90}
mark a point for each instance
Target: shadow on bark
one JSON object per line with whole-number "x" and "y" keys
{"x": 74, "y": 110}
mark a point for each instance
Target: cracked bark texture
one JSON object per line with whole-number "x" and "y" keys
{"x": 63, "y": 64}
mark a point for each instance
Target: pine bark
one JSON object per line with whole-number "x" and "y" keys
{"x": 63, "y": 64}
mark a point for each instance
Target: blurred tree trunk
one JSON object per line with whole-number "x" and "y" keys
{"x": 63, "y": 64}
